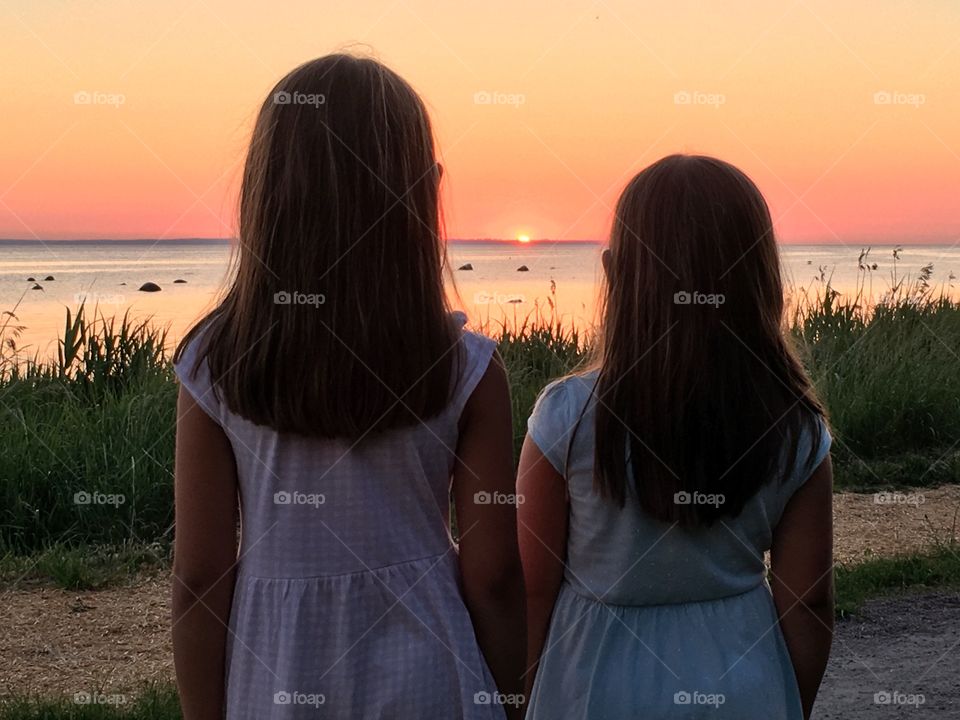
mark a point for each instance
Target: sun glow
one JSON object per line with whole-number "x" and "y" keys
{"x": 523, "y": 239}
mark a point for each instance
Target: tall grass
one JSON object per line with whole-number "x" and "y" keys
{"x": 88, "y": 438}
{"x": 888, "y": 371}
{"x": 534, "y": 352}
{"x": 99, "y": 418}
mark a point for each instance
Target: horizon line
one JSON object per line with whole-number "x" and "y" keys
{"x": 503, "y": 241}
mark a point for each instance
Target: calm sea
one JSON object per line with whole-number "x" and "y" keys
{"x": 109, "y": 273}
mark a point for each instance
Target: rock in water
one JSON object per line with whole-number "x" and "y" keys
{"x": 523, "y": 268}
{"x": 179, "y": 281}
{"x": 48, "y": 278}
{"x": 37, "y": 287}
{"x": 149, "y": 287}
{"x": 31, "y": 279}
{"x": 465, "y": 266}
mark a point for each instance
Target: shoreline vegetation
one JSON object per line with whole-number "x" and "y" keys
{"x": 87, "y": 460}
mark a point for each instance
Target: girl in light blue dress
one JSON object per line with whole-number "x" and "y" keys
{"x": 655, "y": 481}
{"x": 331, "y": 405}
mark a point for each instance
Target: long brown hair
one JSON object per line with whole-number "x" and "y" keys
{"x": 700, "y": 396}
{"x": 336, "y": 323}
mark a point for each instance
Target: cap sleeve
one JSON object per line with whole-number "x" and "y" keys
{"x": 552, "y": 422}
{"x": 475, "y": 353}
{"x": 813, "y": 448}
{"x": 195, "y": 378}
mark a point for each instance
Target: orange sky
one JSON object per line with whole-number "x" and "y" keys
{"x": 583, "y": 94}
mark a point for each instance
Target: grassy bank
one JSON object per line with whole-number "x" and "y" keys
{"x": 87, "y": 456}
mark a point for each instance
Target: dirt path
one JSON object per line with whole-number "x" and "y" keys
{"x": 62, "y": 642}
{"x": 898, "y": 658}
{"x": 57, "y": 642}
{"x": 885, "y": 524}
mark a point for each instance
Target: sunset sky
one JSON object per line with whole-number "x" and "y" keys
{"x": 846, "y": 114}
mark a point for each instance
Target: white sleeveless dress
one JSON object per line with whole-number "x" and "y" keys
{"x": 347, "y": 600}
{"x": 657, "y": 621}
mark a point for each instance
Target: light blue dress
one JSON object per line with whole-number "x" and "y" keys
{"x": 654, "y": 621}
{"x": 347, "y": 600}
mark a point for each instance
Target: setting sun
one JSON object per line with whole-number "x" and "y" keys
{"x": 523, "y": 238}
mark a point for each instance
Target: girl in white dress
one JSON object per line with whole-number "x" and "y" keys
{"x": 329, "y": 403}
{"x": 655, "y": 481}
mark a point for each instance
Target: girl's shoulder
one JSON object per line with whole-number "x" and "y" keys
{"x": 561, "y": 408}
{"x": 475, "y": 352}
{"x": 193, "y": 372}
{"x": 473, "y": 343}
{"x": 813, "y": 446}
{"x": 570, "y": 392}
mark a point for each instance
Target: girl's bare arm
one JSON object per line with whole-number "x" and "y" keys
{"x": 205, "y": 554}
{"x": 543, "y": 545}
{"x": 801, "y": 578}
{"x": 483, "y": 483}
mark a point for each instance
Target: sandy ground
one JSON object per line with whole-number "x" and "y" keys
{"x": 885, "y": 524}
{"x": 57, "y": 642}
{"x": 62, "y": 642}
{"x": 898, "y": 658}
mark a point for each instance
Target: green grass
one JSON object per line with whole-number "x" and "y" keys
{"x": 890, "y": 379}
{"x": 95, "y": 424}
{"x": 157, "y": 702}
{"x": 100, "y": 417}
{"x": 534, "y": 354}
{"x": 862, "y": 473}
{"x": 889, "y": 374}
{"x": 855, "y": 584}
{"x": 84, "y": 567}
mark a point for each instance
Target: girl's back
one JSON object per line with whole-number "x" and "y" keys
{"x": 653, "y": 619}
{"x": 663, "y": 475}
{"x": 332, "y": 405}
{"x": 624, "y": 556}
{"x": 346, "y": 588}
